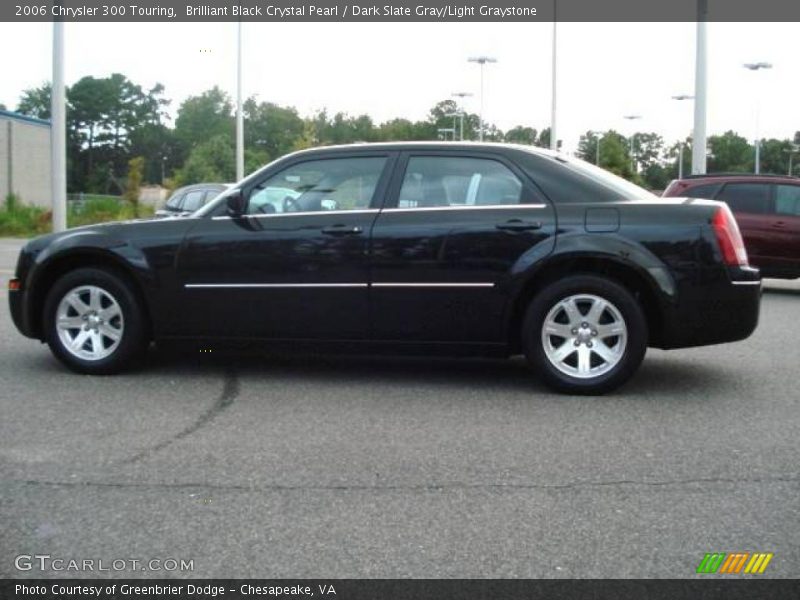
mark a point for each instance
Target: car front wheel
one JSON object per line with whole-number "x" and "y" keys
{"x": 585, "y": 334}
{"x": 94, "y": 322}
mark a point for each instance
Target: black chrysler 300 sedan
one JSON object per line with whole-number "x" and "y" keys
{"x": 414, "y": 248}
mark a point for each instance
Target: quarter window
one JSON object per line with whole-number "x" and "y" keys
{"x": 787, "y": 200}
{"x": 455, "y": 181}
{"x": 746, "y": 197}
{"x": 319, "y": 185}
{"x": 193, "y": 201}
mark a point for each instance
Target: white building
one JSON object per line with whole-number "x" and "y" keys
{"x": 25, "y": 158}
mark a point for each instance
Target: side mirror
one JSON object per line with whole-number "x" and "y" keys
{"x": 236, "y": 204}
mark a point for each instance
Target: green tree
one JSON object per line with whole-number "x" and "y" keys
{"x": 270, "y": 128}
{"x": 211, "y": 161}
{"x": 730, "y": 152}
{"x": 614, "y": 155}
{"x": 521, "y": 135}
{"x": 201, "y": 118}
{"x": 35, "y": 102}
{"x": 775, "y": 156}
{"x": 133, "y": 184}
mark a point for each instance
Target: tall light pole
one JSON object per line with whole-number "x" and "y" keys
{"x": 632, "y": 118}
{"x": 461, "y": 95}
{"x": 553, "y": 134}
{"x": 791, "y": 151}
{"x": 680, "y": 144}
{"x": 482, "y": 61}
{"x": 757, "y": 67}
{"x": 239, "y": 115}
{"x": 58, "y": 132}
{"x": 700, "y": 84}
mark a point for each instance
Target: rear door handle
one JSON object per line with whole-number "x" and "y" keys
{"x": 342, "y": 230}
{"x": 519, "y": 225}
{"x": 779, "y": 224}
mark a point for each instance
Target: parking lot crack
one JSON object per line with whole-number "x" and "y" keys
{"x": 230, "y": 390}
{"x": 433, "y": 487}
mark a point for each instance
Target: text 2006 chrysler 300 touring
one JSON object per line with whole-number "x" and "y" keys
{"x": 412, "y": 248}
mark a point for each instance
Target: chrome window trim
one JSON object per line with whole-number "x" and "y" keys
{"x": 307, "y": 213}
{"x": 465, "y": 207}
{"x": 274, "y": 285}
{"x": 338, "y": 285}
{"x": 746, "y": 282}
{"x": 367, "y": 211}
{"x": 431, "y": 285}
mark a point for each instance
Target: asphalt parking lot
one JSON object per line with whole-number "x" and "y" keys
{"x": 262, "y": 466}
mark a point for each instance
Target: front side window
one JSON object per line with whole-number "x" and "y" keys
{"x": 787, "y": 200}
{"x": 458, "y": 181}
{"x": 319, "y": 185}
{"x": 746, "y": 197}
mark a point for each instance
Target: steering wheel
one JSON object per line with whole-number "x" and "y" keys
{"x": 291, "y": 205}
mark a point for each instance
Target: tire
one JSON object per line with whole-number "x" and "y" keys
{"x": 94, "y": 323}
{"x": 589, "y": 351}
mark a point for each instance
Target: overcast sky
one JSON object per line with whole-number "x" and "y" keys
{"x": 401, "y": 69}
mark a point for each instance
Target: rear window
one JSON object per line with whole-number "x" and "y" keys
{"x": 707, "y": 191}
{"x": 746, "y": 197}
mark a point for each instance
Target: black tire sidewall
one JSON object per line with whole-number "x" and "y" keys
{"x": 133, "y": 339}
{"x": 626, "y": 303}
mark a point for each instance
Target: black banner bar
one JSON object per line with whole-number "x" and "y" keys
{"x": 708, "y": 588}
{"x": 397, "y": 10}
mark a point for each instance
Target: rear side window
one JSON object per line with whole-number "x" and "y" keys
{"x": 746, "y": 197}
{"x": 707, "y": 191}
{"x": 175, "y": 201}
{"x": 787, "y": 200}
{"x": 194, "y": 200}
{"x": 458, "y": 181}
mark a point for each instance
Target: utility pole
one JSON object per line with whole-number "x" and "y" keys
{"x": 239, "y": 115}
{"x": 461, "y": 95}
{"x": 553, "y": 134}
{"x": 680, "y": 146}
{"x": 58, "y": 131}
{"x": 481, "y": 60}
{"x": 757, "y": 67}
{"x": 700, "y": 84}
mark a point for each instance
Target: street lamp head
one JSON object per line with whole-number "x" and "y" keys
{"x": 683, "y": 97}
{"x": 757, "y": 66}
{"x": 462, "y": 94}
{"x": 632, "y": 117}
{"x": 482, "y": 59}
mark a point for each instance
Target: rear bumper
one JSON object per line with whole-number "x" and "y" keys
{"x": 725, "y": 309}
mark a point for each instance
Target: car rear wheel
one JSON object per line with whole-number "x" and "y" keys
{"x": 585, "y": 334}
{"x": 94, "y": 322}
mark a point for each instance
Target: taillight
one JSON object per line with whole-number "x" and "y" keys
{"x": 14, "y": 285}
{"x": 729, "y": 237}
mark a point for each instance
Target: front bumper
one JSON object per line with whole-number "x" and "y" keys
{"x": 18, "y": 308}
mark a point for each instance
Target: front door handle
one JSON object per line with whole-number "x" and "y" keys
{"x": 519, "y": 225}
{"x": 342, "y": 230}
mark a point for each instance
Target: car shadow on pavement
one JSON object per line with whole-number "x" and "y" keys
{"x": 659, "y": 376}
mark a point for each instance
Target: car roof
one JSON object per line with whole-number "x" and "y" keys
{"x": 723, "y": 177}
{"x": 202, "y": 186}
{"x": 427, "y": 145}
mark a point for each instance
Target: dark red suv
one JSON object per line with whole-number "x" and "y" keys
{"x": 767, "y": 208}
